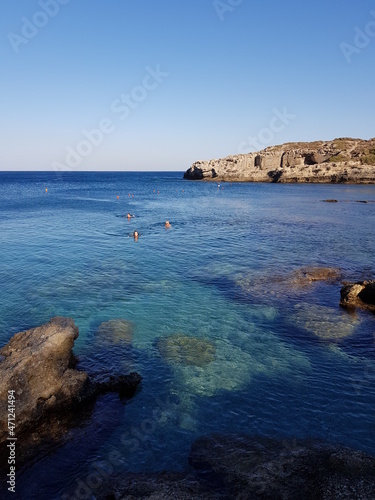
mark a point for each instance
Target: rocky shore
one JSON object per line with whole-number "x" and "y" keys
{"x": 342, "y": 160}
{"x": 39, "y": 366}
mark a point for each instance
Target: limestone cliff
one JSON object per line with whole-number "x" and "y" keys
{"x": 339, "y": 161}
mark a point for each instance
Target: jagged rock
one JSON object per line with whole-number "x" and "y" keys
{"x": 186, "y": 350}
{"x": 116, "y": 331}
{"x": 241, "y": 467}
{"x": 338, "y": 161}
{"x": 39, "y": 366}
{"x": 361, "y": 294}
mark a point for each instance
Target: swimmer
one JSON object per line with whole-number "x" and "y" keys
{"x": 129, "y": 216}
{"x": 135, "y": 234}
{"x": 167, "y": 224}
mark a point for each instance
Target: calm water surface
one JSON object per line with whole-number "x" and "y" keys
{"x": 287, "y": 361}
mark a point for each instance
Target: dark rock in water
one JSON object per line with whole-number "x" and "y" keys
{"x": 246, "y": 467}
{"x": 255, "y": 467}
{"x": 39, "y": 366}
{"x": 360, "y": 294}
{"x": 160, "y": 486}
{"x": 116, "y": 331}
{"x": 330, "y": 201}
{"x": 186, "y": 350}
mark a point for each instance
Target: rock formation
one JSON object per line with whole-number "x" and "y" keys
{"x": 338, "y": 161}
{"x": 243, "y": 467}
{"x": 361, "y": 294}
{"x": 39, "y": 366}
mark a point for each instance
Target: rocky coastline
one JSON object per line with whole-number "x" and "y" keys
{"x": 342, "y": 160}
{"x": 39, "y": 368}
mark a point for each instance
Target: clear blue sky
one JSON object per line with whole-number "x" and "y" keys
{"x": 229, "y": 69}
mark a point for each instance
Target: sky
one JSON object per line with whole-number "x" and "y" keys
{"x": 159, "y": 84}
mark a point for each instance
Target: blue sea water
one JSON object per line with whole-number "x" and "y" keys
{"x": 287, "y": 360}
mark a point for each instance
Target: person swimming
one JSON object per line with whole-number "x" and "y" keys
{"x": 129, "y": 216}
{"x": 136, "y": 235}
{"x": 167, "y": 224}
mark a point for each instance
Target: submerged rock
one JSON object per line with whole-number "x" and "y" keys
{"x": 39, "y": 366}
{"x": 241, "y": 467}
{"x": 116, "y": 331}
{"x": 231, "y": 368}
{"x": 186, "y": 350}
{"x": 361, "y": 294}
{"x": 308, "y": 275}
{"x": 324, "y": 322}
{"x": 279, "y": 285}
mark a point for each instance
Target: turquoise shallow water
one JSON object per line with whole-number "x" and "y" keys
{"x": 287, "y": 361}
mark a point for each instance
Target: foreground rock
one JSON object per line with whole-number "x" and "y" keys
{"x": 39, "y": 366}
{"x": 338, "y": 161}
{"x": 361, "y": 294}
{"x": 245, "y": 467}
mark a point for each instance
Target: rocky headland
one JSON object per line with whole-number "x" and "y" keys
{"x": 342, "y": 160}
{"x": 39, "y": 368}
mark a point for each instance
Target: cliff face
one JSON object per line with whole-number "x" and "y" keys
{"x": 337, "y": 161}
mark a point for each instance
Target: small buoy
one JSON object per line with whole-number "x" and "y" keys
{"x": 118, "y": 197}
{"x": 46, "y": 190}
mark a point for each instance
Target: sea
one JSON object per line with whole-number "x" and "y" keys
{"x": 224, "y": 330}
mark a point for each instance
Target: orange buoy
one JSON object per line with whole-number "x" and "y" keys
{"x": 118, "y": 197}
